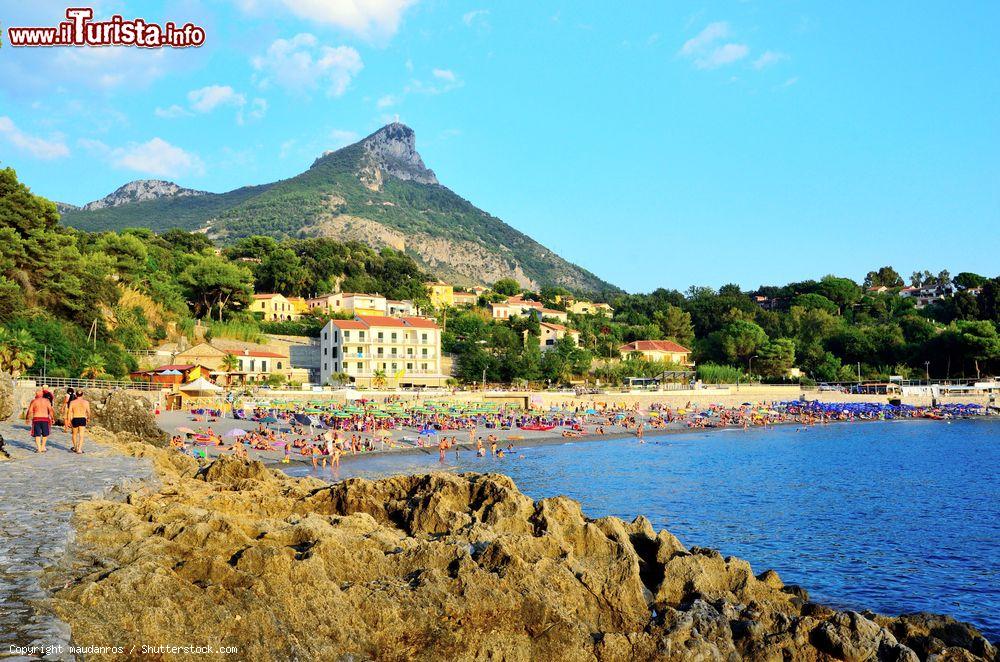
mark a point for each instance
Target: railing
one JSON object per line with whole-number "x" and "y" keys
{"x": 107, "y": 384}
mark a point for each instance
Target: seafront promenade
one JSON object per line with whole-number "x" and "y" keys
{"x": 37, "y": 496}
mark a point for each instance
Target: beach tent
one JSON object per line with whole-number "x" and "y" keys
{"x": 200, "y": 387}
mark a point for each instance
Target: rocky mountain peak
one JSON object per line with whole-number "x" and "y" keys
{"x": 139, "y": 191}
{"x": 392, "y": 150}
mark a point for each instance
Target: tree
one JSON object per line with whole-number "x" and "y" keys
{"x": 842, "y": 291}
{"x": 93, "y": 366}
{"x": 884, "y": 277}
{"x": 229, "y": 363}
{"x": 378, "y": 379}
{"x": 675, "y": 324}
{"x": 989, "y": 301}
{"x": 740, "y": 340}
{"x": 212, "y": 282}
{"x": 507, "y": 286}
{"x": 967, "y": 279}
{"x": 979, "y": 341}
{"x": 776, "y": 357}
{"x": 17, "y": 352}
{"x": 814, "y": 301}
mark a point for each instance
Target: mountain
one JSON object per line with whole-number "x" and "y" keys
{"x": 140, "y": 190}
{"x": 377, "y": 191}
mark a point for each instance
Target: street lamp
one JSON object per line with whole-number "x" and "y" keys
{"x": 927, "y": 370}
{"x": 750, "y": 368}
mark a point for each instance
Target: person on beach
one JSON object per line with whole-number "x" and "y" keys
{"x": 77, "y": 415}
{"x": 40, "y": 416}
{"x": 442, "y": 448}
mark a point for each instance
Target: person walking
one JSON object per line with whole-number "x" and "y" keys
{"x": 77, "y": 415}
{"x": 40, "y": 416}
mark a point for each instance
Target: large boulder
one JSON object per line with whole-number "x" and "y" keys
{"x": 7, "y": 397}
{"x": 117, "y": 411}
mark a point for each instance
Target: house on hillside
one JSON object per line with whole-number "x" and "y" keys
{"x": 465, "y": 298}
{"x": 355, "y": 303}
{"x": 442, "y": 295}
{"x": 550, "y": 334}
{"x": 657, "y": 350}
{"x": 274, "y": 308}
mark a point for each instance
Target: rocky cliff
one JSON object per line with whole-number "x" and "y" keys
{"x": 439, "y": 567}
{"x": 139, "y": 190}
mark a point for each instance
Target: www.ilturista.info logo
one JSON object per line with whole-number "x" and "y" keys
{"x": 81, "y": 30}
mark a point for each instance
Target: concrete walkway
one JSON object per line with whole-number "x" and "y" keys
{"x": 37, "y": 493}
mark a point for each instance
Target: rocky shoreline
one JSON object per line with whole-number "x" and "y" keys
{"x": 439, "y": 566}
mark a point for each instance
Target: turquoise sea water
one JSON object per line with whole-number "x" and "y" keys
{"x": 893, "y": 517}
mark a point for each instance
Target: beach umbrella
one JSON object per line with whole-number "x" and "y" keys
{"x": 236, "y": 432}
{"x": 184, "y": 430}
{"x": 269, "y": 419}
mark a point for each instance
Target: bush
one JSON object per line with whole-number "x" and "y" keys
{"x": 713, "y": 373}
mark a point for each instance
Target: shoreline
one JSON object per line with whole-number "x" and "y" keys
{"x": 549, "y": 440}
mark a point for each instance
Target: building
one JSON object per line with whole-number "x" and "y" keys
{"x": 589, "y": 308}
{"x": 550, "y": 334}
{"x": 254, "y": 364}
{"x": 465, "y": 298}
{"x": 402, "y": 308}
{"x": 401, "y": 351}
{"x": 176, "y": 373}
{"x": 273, "y": 308}
{"x": 300, "y": 305}
{"x": 442, "y": 295}
{"x": 350, "y": 302}
{"x": 552, "y": 313}
{"x": 658, "y": 350}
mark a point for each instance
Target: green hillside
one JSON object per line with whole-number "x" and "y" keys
{"x": 376, "y": 191}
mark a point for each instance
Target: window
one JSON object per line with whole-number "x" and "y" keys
{"x": 333, "y": 352}
{"x": 347, "y": 336}
{"x": 279, "y": 365}
{"x": 381, "y": 336}
{"x": 325, "y": 351}
{"x": 423, "y": 351}
{"x": 361, "y": 335}
{"x": 409, "y": 366}
{"x": 359, "y": 365}
{"x": 252, "y": 364}
{"x": 263, "y": 366}
{"x": 393, "y": 336}
{"x": 423, "y": 366}
{"x": 423, "y": 337}
{"x": 325, "y": 367}
{"x": 324, "y": 335}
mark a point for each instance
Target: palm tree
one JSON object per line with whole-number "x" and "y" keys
{"x": 378, "y": 379}
{"x": 93, "y": 366}
{"x": 230, "y": 363}
{"x": 16, "y": 351}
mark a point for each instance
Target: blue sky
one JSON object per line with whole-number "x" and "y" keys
{"x": 657, "y": 144}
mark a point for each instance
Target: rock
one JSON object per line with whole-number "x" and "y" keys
{"x": 118, "y": 411}
{"x": 437, "y": 567}
{"x": 8, "y": 402}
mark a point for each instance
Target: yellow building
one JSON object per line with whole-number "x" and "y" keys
{"x": 588, "y": 308}
{"x": 550, "y": 334}
{"x": 350, "y": 302}
{"x": 658, "y": 350}
{"x": 300, "y": 305}
{"x": 274, "y": 307}
{"x": 442, "y": 295}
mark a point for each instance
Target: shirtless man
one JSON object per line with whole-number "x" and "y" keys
{"x": 40, "y": 416}
{"x": 77, "y": 415}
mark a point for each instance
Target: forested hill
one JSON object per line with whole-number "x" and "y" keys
{"x": 377, "y": 191}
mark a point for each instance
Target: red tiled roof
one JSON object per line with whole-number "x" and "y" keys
{"x": 557, "y": 327}
{"x": 380, "y": 320}
{"x": 265, "y": 296}
{"x": 263, "y": 355}
{"x": 551, "y": 311}
{"x": 654, "y": 346}
{"x": 164, "y": 368}
{"x": 420, "y": 322}
{"x": 349, "y": 324}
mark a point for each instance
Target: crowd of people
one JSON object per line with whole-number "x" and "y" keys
{"x": 323, "y": 435}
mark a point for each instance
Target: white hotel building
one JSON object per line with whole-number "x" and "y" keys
{"x": 406, "y": 349}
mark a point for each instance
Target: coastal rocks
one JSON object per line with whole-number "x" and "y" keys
{"x": 7, "y": 397}
{"x": 118, "y": 411}
{"x": 439, "y": 567}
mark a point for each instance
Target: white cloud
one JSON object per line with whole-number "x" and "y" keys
{"x": 367, "y": 18}
{"x": 476, "y": 17}
{"x": 155, "y": 157}
{"x": 40, "y": 148}
{"x": 700, "y": 42}
{"x": 171, "y": 112}
{"x": 207, "y": 99}
{"x": 386, "y": 101}
{"x": 722, "y": 56}
{"x": 445, "y": 74}
{"x": 788, "y": 83}
{"x": 301, "y": 64}
{"x": 768, "y": 58}
{"x": 704, "y": 51}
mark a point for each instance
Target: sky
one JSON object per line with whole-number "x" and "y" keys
{"x": 658, "y": 144}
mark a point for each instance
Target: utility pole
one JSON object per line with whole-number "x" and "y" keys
{"x": 859, "y": 372}
{"x": 927, "y": 370}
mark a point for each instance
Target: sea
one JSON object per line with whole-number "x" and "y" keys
{"x": 895, "y": 517}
